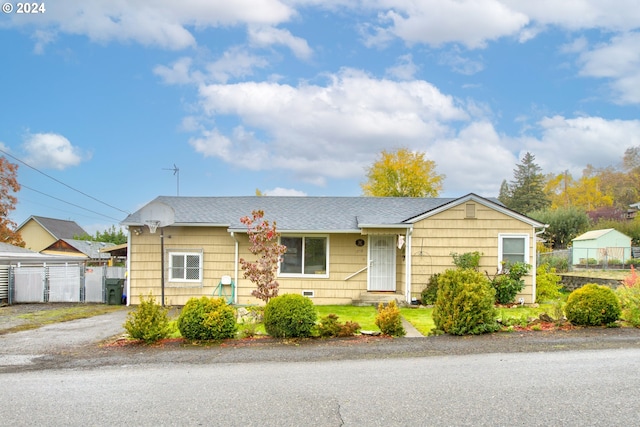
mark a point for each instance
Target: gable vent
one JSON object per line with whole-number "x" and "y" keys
{"x": 470, "y": 210}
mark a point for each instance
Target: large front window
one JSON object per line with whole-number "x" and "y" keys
{"x": 185, "y": 267}
{"x": 304, "y": 256}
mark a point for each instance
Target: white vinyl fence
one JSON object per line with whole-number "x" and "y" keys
{"x": 59, "y": 283}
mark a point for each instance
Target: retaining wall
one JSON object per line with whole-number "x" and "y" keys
{"x": 571, "y": 283}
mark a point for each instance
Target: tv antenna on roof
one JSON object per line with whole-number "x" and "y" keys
{"x": 176, "y": 172}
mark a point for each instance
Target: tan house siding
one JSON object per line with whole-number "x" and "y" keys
{"x": 35, "y": 237}
{"x": 217, "y": 247}
{"x": 345, "y": 259}
{"x": 436, "y": 237}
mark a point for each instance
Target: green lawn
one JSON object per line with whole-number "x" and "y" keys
{"x": 420, "y": 317}
{"x": 364, "y": 316}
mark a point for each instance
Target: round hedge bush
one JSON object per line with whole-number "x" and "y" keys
{"x": 465, "y": 303}
{"x": 207, "y": 319}
{"x": 289, "y": 316}
{"x": 592, "y": 305}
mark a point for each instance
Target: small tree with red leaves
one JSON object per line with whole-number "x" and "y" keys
{"x": 263, "y": 240}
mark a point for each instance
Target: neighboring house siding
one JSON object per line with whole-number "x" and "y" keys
{"x": 35, "y": 237}
{"x": 436, "y": 237}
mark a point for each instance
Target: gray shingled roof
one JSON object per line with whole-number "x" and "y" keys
{"x": 90, "y": 248}
{"x": 59, "y": 228}
{"x": 298, "y": 213}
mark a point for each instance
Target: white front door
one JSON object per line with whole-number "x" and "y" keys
{"x": 382, "y": 263}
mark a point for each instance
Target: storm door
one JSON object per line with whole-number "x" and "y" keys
{"x": 382, "y": 263}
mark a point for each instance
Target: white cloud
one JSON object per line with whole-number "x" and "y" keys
{"x": 476, "y": 158}
{"x": 404, "y": 69}
{"x": 619, "y": 61}
{"x": 178, "y": 73}
{"x": 267, "y": 36}
{"x": 620, "y": 15}
{"x": 573, "y": 143}
{"x": 460, "y": 64}
{"x": 316, "y": 131}
{"x": 236, "y": 62}
{"x": 436, "y": 22}
{"x": 162, "y": 23}
{"x": 279, "y": 191}
{"x": 51, "y": 150}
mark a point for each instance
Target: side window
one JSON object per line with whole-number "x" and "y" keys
{"x": 513, "y": 248}
{"x": 185, "y": 267}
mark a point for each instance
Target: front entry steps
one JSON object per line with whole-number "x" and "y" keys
{"x": 375, "y": 298}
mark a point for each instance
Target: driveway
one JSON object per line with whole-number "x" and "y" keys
{"x": 59, "y": 338}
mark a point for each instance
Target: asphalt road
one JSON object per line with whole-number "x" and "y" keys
{"x": 568, "y": 388}
{"x": 62, "y": 375}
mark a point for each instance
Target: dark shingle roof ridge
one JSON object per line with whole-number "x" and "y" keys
{"x": 59, "y": 228}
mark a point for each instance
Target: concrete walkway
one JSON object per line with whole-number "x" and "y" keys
{"x": 412, "y": 332}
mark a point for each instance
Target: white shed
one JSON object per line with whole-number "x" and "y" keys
{"x": 608, "y": 246}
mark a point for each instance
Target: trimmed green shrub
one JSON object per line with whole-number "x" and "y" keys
{"x": 547, "y": 283}
{"x": 467, "y": 260}
{"x": 329, "y": 327}
{"x": 464, "y": 304}
{"x": 509, "y": 282}
{"x": 149, "y": 322}
{"x": 389, "y": 320}
{"x": 430, "y": 292}
{"x": 289, "y": 316}
{"x": 207, "y": 319}
{"x": 592, "y": 305}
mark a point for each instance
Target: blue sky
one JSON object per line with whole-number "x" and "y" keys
{"x": 297, "y": 97}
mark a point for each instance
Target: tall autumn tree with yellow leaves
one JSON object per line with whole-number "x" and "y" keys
{"x": 402, "y": 173}
{"x": 8, "y": 187}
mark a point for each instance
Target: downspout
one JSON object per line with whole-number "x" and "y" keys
{"x": 407, "y": 266}
{"x": 127, "y": 273}
{"x": 235, "y": 267}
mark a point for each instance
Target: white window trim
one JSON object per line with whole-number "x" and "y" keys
{"x": 524, "y": 236}
{"x": 174, "y": 281}
{"x": 309, "y": 276}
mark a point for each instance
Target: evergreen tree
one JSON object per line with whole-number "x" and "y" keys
{"x": 505, "y": 195}
{"x": 526, "y": 190}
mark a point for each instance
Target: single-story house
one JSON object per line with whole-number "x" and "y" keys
{"x": 605, "y": 246}
{"x": 86, "y": 251}
{"x": 338, "y": 248}
{"x": 39, "y": 232}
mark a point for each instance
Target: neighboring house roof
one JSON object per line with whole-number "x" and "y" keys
{"x": 91, "y": 249}
{"x": 596, "y": 234}
{"x": 324, "y": 214}
{"x": 116, "y": 250}
{"x": 10, "y": 253}
{"x": 58, "y": 228}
